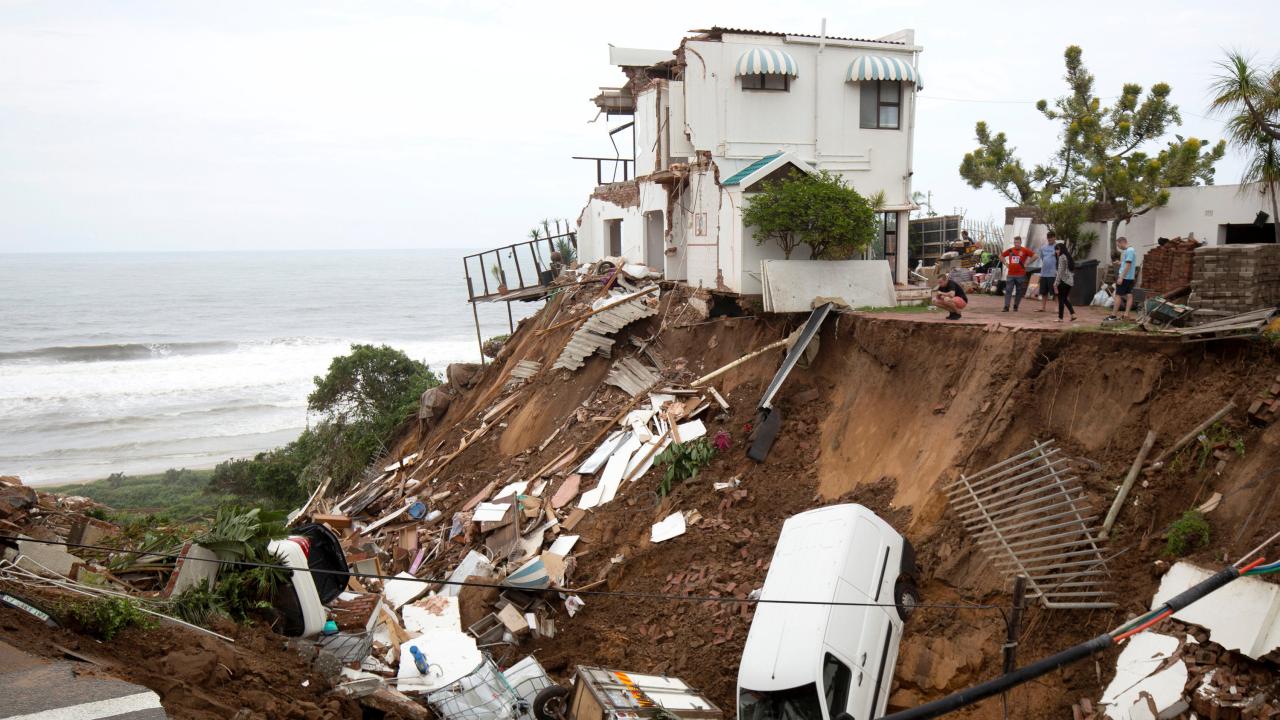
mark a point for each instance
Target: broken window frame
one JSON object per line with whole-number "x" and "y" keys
{"x": 760, "y": 81}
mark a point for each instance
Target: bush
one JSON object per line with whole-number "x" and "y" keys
{"x": 1187, "y": 533}
{"x": 493, "y": 345}
{"x": 104, "y": 618}
{"x": 683, "y": 461}
{"x": 820, "y": 211}
{"x": 365, "y": 397}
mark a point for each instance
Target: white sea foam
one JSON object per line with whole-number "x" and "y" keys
{"x": 159, "y": 380}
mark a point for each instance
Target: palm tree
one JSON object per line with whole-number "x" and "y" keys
{"x": 1262, "y": 165}
{"x": 1252, "y": 94}
{"x": 1252, "y": 98}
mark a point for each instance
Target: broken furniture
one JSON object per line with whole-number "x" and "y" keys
{"x": 1031, "y": 518}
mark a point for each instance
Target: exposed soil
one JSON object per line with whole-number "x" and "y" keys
{"x": 196, "y": 676}
{"x": 891, "y": 410}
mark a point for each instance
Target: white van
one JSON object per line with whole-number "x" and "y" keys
{"x": 822, "y": 661}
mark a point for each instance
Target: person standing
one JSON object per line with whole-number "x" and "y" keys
{"x": 1048, "y": 268}
{"x": 1015, "y": 273}
{"x": 949, "y": 296}
{"x": 1066, "y": 277}
{"x": 1125, "y": 278}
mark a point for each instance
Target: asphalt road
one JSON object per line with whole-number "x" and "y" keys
{"x": 33, "y": 688}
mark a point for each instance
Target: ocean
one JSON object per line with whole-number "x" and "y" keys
{"x": 141, "y": 362}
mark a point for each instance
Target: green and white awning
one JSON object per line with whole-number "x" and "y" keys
{"x": 879, "y": 67}
{"x": 767, "y": 61}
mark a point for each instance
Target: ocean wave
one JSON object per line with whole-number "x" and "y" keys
{"x": 118, "y": 351}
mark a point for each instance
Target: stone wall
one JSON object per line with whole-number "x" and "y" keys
{"x": 1235, "y": 278}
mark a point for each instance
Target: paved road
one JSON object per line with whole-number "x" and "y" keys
{"x": 32, "y": 688}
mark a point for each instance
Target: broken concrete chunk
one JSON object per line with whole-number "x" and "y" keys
{"x": 44, "y": 559}
{"x": 1148, "y": 681}
{"x": 403, "y": 590}
{"x": 1252, "y": 624}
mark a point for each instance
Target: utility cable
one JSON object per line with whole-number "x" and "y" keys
{"x": 969, "y": 696}
{"x": 463, "y": 583}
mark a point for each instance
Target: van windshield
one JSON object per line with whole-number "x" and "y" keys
{"x": 799, "y": 703}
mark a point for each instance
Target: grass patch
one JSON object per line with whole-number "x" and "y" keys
{"x": 176, "y": 495}
{"x": 1187, "y": 533}
{"x": 104, "y": 618}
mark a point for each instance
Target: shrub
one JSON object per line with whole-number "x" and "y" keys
{"x": 820, "y": 211}
{"x": 1187, "y": 533}
{"x": 493, "y": 345}
{"x": 104, "y": 618}
{"x": 683, "y": 461}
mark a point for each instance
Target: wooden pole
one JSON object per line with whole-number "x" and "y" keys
{"x": 1159, "y": 461}
{"x": 1129, "y": 479}
{"x": 717, "y": 373}
{"x": 1015, "y": 619}
{"x": 479, "y": 341}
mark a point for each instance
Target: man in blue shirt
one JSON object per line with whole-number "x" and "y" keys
{"x": 1048, "y": 269}
{"x": 1125, "y": 277}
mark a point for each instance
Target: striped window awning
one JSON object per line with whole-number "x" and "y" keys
{"x": 879, "y": 67}
{"x": 767, "y": 61}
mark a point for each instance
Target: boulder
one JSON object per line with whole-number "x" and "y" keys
{"x": 435, "y": 401}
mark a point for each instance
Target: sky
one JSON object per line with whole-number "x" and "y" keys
{"x": 136, "y": 125}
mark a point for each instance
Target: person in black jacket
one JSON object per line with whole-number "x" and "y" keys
{"x": 949, "y": 296}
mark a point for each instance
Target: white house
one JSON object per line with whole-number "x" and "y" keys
{"x": 730, "y": 108}
{"x": 1216, "y": 214}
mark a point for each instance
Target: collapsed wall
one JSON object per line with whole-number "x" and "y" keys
{"x": 888, "y": 412}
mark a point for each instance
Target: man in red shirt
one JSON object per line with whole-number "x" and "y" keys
{"x": 1015, "y": 273}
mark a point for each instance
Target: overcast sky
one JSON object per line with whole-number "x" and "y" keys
{"x": 284, "y": 124}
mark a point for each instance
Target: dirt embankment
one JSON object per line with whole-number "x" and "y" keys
{"x": 889, "y": 412}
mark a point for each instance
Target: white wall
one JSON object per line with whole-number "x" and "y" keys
{"x": 817, "y": 119}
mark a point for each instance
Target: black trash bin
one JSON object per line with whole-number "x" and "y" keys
{"x": 1086, "y": 283}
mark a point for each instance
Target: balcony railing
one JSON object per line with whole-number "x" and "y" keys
{"x": 512, "y": 270}
{"x": 614, "y": 164}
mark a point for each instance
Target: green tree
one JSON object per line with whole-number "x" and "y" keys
{"x": 820, "y": 211}
{"x": 1251, "y": 98}
{"x": 370, "y": 383}
{"x": 1101, "y": 159}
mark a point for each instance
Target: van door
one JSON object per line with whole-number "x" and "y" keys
{"x": 837, "y": 685}
{"x": 866, "y": 557}
{"x": 875, "y": 661}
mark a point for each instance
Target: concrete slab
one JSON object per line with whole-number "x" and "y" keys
{"x": 1148, "y": 682}
{"x": 793, "y": 285}
{"x": 1243, "y": 616}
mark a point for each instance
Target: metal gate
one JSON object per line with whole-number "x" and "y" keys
{"x": 1030, "y": 516}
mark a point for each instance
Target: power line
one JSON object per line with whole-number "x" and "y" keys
{"x": 463, "y": 583}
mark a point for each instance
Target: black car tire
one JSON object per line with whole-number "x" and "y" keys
{"x": 549, "y": 703}
{"x": 905, "y": 596}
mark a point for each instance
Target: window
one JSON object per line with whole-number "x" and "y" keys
{"x": 836, "y": 677}
{"x": 799, "y": 703}
{"x": 880, "y": 104}
{"x": 766, "y": 81}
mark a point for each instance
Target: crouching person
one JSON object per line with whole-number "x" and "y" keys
{"x": 949, "y": 296}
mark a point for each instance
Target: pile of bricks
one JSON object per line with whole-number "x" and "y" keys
{"x": 1266, "y": 406}
{"x": 1235, "y": 278}
{"x": 1169, "y": 267}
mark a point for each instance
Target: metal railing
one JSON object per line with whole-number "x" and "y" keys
{"x": 512, "y": 268}
{"x": 625, "y": 164}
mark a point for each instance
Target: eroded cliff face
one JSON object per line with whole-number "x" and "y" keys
{"x": 888, "y": 413}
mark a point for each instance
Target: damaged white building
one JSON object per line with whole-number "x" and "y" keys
{"x": 729, "y": 109}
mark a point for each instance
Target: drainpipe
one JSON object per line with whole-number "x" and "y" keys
{"x": 902, "y": 272}
{"x": 817, "y": 85}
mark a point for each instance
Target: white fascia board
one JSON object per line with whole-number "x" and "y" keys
{"x": 638, "y": 57}
{"x": 829, "y": 42}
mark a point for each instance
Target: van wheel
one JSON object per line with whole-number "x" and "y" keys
{"x": 549, "y": 703}
{"x": 906, "y": 597}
